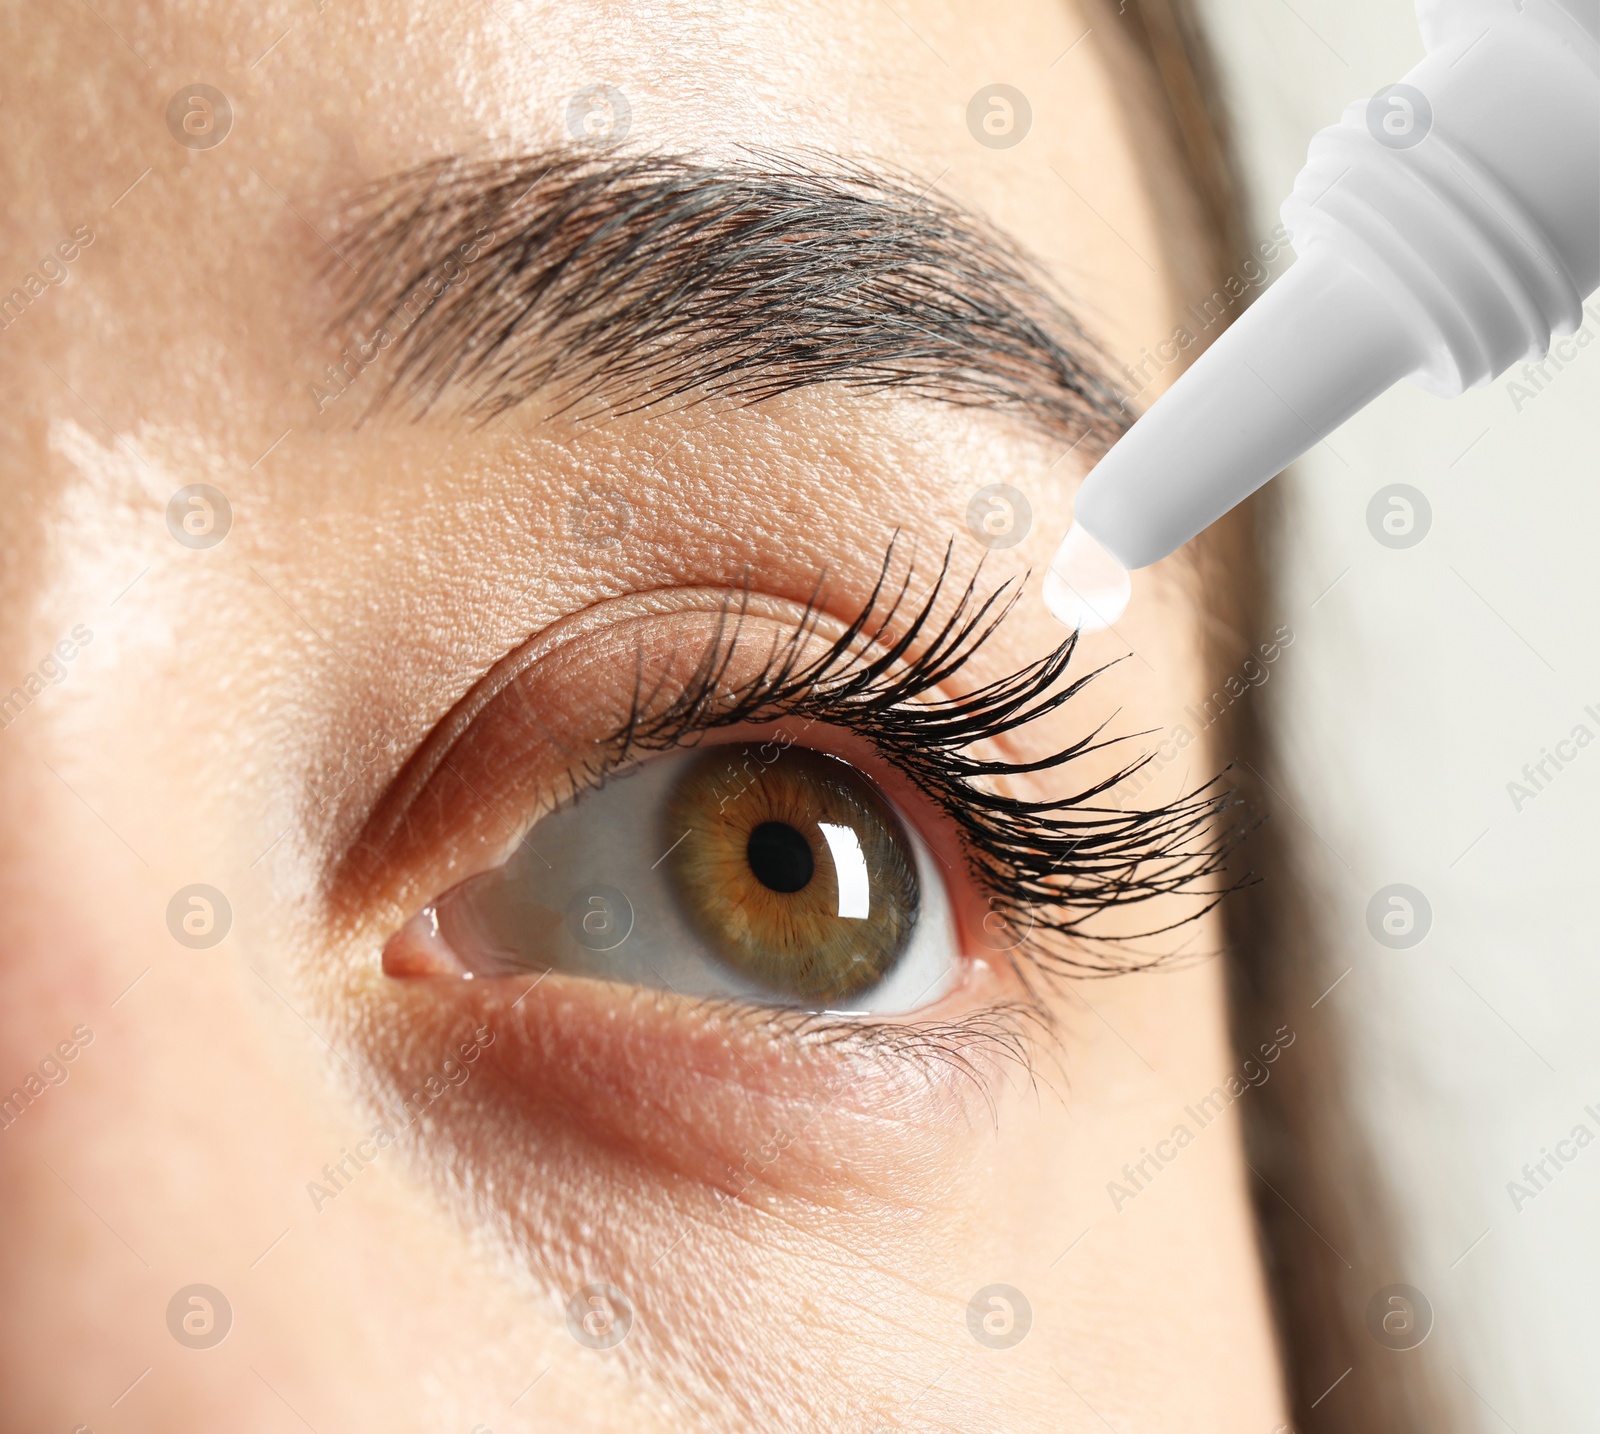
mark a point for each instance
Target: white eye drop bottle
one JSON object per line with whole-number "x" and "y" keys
{"x": 1445, "y": 230}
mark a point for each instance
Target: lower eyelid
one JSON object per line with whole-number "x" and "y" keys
{"x": 690, "y": 1089}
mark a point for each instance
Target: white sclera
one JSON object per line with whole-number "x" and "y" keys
{"x": 1086, "y": 588}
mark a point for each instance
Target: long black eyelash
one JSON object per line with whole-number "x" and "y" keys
{"x": 1053, "y": 867}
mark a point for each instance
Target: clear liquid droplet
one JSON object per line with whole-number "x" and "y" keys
{"x": 1086, "y": 588}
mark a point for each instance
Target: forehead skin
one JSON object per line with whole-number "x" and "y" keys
{"x": 229, "y": 703}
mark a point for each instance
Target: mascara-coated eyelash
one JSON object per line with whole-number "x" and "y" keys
{"x": 1051, "y": 866}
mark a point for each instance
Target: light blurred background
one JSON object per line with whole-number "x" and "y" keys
{"x": 1421, "y": 681}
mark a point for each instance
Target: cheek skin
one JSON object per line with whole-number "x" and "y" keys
{"x": 743, "y": 1189}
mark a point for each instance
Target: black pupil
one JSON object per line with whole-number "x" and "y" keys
{"x": 780, "y": 857}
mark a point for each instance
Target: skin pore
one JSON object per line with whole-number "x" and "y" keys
{"x": 799, "y": 1227}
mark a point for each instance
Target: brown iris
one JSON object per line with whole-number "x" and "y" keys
{"x": 792, "y": 869}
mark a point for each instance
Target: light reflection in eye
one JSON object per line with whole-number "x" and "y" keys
{"x": 775, "y": 874}
{"x": 855, "y": 886}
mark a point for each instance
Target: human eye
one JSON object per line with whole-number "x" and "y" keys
{"x": 760, "y": 871}
{"x": 789, "y": 823}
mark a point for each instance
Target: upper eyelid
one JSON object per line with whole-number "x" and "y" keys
{"x": 429, "y": 753}
{"x": 391, "y": 811}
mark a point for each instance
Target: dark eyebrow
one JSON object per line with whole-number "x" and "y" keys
{"x": 619, "y": 283}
